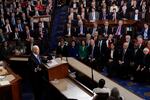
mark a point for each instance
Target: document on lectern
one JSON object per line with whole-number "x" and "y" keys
{"x": 53, "y": 63}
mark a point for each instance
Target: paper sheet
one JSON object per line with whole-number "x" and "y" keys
{"x": 52, "y": 63}
{"x": 3, "y": 83}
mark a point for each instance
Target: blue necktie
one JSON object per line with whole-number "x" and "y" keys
{"x": 39, "y": 60}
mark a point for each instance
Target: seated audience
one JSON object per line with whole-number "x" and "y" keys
{"x": 62, "y": 49}
{"x": 101, "y": 88}
{"x": 146, "y": 32}
{"x": 73, "y": 50}
{"x": 83, "y": 52}
{"x": 112, "y": 57}
{"x": 115, "y": 95}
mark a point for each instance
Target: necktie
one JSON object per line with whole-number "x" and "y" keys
{"x": 118, "y": 31}
{"x": 106, "y": 30}
{"x": 94, "y": 30}
{"x": 109, "y": 43}
{"x": 69, "y": 32}
{"x": 20, "y": 28}
{"x": 93, "y": 13}
{"x": 100, "y": 45}
{"x": 13, "y": 21}
{"x": 81, "y": 29}
{"x": 114, "y": 17}
{"x": 145, "y": 34}
{"x": 136, "y": 17}
{"x": 104, "y": 16}
{"x": 124, "y": 51}
{"x": 92, "y": 52}
{"x": 39, "y": 60}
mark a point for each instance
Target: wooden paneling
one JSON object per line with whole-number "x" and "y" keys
{"x": 58, "y": 72}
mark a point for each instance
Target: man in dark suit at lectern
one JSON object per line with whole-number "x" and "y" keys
{"x": 36, "y": 72}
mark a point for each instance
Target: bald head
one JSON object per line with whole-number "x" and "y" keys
{"x": 36, "y": 50}
{"x": 146, "y": 51}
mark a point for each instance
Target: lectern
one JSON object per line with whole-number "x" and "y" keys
{"x": 10, "y": 84}
{"x": 57, "y": 69}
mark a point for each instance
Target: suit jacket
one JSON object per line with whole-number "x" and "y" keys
{"x": 62, "y": 51}
{"x": 72, "y": 32}
{"x": 122, "y": 15}
{"x": 96, "y": 16}
{"x": 13, "y": 36}
{"x": 73, "y": 52}
{"x": 131, "y": 46}
{"x": 103, "y": 30}
{"x": 133, "y": 16}
{"x": 102, "y": 47}
{"x": 91, "y": 30}
{"x": 137, "y": 56}
{"x": 39, "y": 75}
{"x": 111, "y": 16}
{"x": 115, "y": 55}
{"x": 95, "y": 52}
{"x": 33, "y": 62}
{"x": 22, "y": 26}
{"x": 127, "y": 57}
{"x": 102, "y": 16}
{"x": 123, "y": 30}
{"x": 148, "y": 33}
{"x": 146, "y": 61}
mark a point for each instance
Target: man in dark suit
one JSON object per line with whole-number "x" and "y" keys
{"x": 102, "y": 51}
{"x": 129, "y": 41}
{"x": 120, "y": 30}
{"x": 36, "y": 72}
{"x": 111, "y": 57}
{"x": 16, "y": 35}
{"x": 93, "y": 54}
{"x": 137, "y": 60}
{"x": 93, "y": 15}
{"x": 94, "y": 29}
{"x": 124, "y": 12}
{"x": 146, "y": 32}
{"x": 106, "y": 29}
{"x": 125, "y": 58}
{"x": 104, "y": 14}
{"x": 114, "y": 15}
{"x": 136, "y": 15}
{"x": 20, "y": 26}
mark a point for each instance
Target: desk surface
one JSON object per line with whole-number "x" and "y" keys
{"x": 14, "y": 84}
{"x": 11, "y": 75}
{"x": 86, "y": 70}
{"x": 68, "y": 88}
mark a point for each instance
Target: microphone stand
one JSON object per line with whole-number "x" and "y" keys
{"x": 91, "y": 61}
